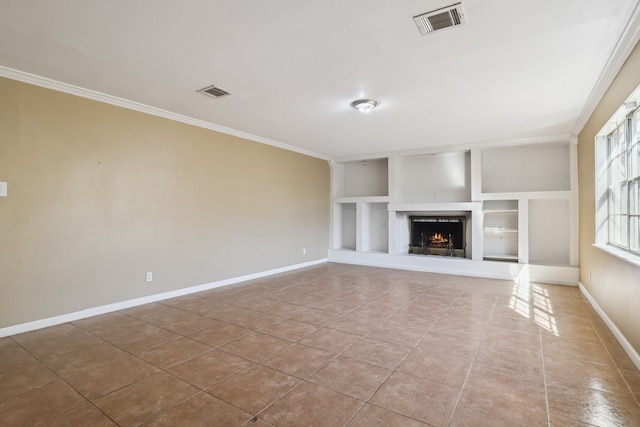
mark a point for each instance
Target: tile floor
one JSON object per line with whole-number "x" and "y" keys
{"x": 330, "y": 345}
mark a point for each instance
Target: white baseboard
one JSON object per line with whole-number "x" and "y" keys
{"x": 94, "y": 311}
{"x": 628, "y": 348}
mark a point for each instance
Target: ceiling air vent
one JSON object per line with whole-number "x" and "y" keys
{"x": 440, "y": 19}
{"x": 215, "y": 91}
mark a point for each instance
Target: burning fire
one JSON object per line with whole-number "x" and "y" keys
{"x": 438, "y": 238}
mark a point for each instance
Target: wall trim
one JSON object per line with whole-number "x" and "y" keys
{"x": 621, "y": 51}
{"x": 103, "y": 309}
{"x": 628, "y": 348}
{"x": 36, "y": 80}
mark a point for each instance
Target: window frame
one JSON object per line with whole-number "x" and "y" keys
{"x": 617, "y": 186}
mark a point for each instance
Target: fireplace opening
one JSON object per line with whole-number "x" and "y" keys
{"x": 438, "y": 235}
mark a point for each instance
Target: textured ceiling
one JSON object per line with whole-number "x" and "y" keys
{"x": 518, "y": 69}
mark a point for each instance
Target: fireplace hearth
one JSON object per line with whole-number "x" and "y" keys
{"x": 438, "y": 235}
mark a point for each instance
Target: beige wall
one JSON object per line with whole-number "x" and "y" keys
{"x": 99, "y": 195}
{"x": 614, "y": 284}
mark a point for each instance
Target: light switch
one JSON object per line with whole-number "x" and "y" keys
{"x": 3, "y": 189}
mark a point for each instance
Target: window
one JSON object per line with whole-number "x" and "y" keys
{"x": 618, "y": 179}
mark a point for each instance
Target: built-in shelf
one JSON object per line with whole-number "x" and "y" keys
{"x": 519, "y": 202}
{"x": 362, "y": 178}
{"x": 528, "y": 195}
{"x": 499, "y": 257}
{"x": 526, "y": 168}
{"x": 434, "y": 207}
{"x": 500, "y": 225}
{"x": 363, "y": 199}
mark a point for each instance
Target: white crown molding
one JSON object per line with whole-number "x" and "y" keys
{"x": 627, "y": 41}
{"x": 36, "y": 80}
{"x": 109, "y": 308}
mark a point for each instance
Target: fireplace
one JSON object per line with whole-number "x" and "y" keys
{"x": 438, "y": 235}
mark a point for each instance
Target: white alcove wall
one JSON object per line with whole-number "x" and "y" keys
{"x": 542, "y": 167}
{"x": 438, "y": 178}
{"x": 361, "y": 178}
{"x": 549, "y": 232}
{"x": 345, "y": 216}
{"x": 377, "y": 216}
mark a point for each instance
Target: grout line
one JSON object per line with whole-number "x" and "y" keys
{"x": 44, "y": 365}
{"x": 544, "y": 378}
{"x": 606, "y": 347}
{"x": 473, "y": 361}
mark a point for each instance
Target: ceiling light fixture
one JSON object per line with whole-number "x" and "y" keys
{"x": 364, "y": 105}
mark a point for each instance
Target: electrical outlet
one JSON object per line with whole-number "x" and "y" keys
{"x": 3, "y": 189}
{"x": 149, "y": 276}
{"x": 304, "y": 251}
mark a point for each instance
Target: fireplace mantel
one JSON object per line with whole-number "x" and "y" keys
{"x": 436, "y": 207}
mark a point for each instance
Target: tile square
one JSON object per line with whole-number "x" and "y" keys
{"x": 578, "y": 374}
{"x": 289, "y": 329}
{"x": 316, "y": 317}
{"x": 351, "y": 377}
{"x": 111, "y": 326}
{"x": 254, "y": 319}
{"x": 353, "y": 324}
{"x": 422, "y": 321}
{"x": 254, "y": 389}
{"x": 255, "y": 346}
{"x": 273, "y": 307}
{"x": 397, "y": 334}
{"x": 201, "y": 410}
{"x": 220, "y": 335}
{"x": 298, "y": 360}
{"x": 185, "y": 324}
{"x": 441, "y": 367}
{"x": 23, "y": 379}
{"x": 462, "y": 328}
{"x": 12, "y": 356}
{"x": 174, "y": 352}
{"x": 86, "y": 415}
{"x": 632, "y": 378}
{"x": 503, "y": 384}
{"x": 104, "y": 379}
{"x": 381, "y": 353}
{"x": 40, "y": 337}
{"x": 556, "y": 348}
{"x": 484, "y": 411}
{"x": 506, "y": 357}
{"x": 459, "y": 346}
{"x": 418, "y": 398}
{"x": 47, "y": 350}
{"x": 523, "y": 341}
{"x": 592, "y": 407}
{"x": 137, "y": 343}
{"x": 519, "y": 324}
{"x": 371, "y": 415}
{"x": 330, "y": 340}
{"x": 311, "y": 405}
{"x": 209, "y": 368}
{"x": 145, "y": 399}
{"x": 39, "y": 404}
{"x": 76, "y": 361}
